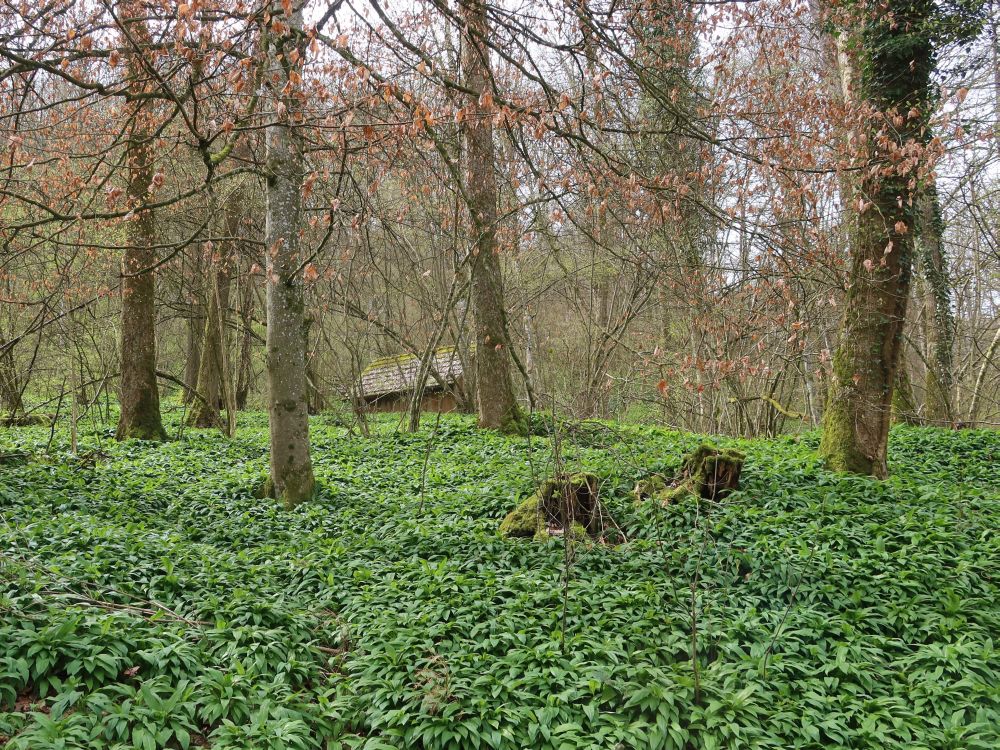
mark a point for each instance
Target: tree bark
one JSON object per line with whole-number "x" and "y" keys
{"x": 496, "y": 403}
{"x": 940, "y": 319}
{"x": 315, "y": 398}
{"x": 213, "y": 375}
{"x": 140, "y": 397}
{"x": 195, "y": 323}
{"x": 244, "y": 376}
{"x": 287, "y": 402}
{"x": 904, "y": 405}
{"x": 10, "y": 388}
{"x": 894, "y": 79}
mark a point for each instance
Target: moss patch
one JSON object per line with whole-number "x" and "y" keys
{"x": 567, "y": 501}
{"x": 650, "y": 487}
{"x": 525, "y": 520}
{"x": 26, "y": 420}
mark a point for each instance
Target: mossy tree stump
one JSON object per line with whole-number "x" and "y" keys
{"x": 714, "y": 472}
{"x": 26, "y": 420}
{"x": 565, "y": 501}
{"x": 709, "y": 472}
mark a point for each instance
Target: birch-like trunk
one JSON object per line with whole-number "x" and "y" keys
{"x": 287, "y": 403}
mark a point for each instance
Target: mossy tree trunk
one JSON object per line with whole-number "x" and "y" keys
{"x": 287, "y": 402}
{"x": 896, "y": 59}
{"x": 140, "y": 397}
{"x": 497, "y": 405}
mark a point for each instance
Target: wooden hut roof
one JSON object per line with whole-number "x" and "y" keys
{"x": 399, "y": 374}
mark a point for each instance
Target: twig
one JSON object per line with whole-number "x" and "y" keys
{"x": 427, "y": 456}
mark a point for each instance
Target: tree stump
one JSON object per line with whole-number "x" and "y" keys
{"x": 710, "y": 473}
{"x": 715, "y": 473}
{"x": 568, "y": 501}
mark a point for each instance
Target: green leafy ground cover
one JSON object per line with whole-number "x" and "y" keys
{"x": 148, "y": 600}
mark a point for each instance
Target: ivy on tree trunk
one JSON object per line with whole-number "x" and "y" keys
{"x": 894, "y": 61}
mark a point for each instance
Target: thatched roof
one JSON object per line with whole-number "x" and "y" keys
{"x": 399, "y": 374}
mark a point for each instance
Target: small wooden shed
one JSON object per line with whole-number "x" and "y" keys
{"x": 387, "y": 384}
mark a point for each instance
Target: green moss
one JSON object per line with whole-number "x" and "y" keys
{"x": 516, "y": 423}
{"x": 143, "y": 431}
{"x": 708, "y": 472}
{"x": 650, "y": 487}
{"x": 26, "y": 420}
{"x": 712, "y": 463}
{"x": 531, "y": 517}
{"x": 527, "y": 519}
{"x": 675, "y": 494}
{"x": 838, "y": 446}
{"x": 299, "y": 489}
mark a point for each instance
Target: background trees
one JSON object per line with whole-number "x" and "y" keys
{"x": 660, "y": 214}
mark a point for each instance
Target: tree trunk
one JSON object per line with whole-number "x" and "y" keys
{"x": 244, "y": 376}
{"x": 195, "y": 323}
{"x": 140, "y": 397}
{"x": 940, "y": 319}
{"x": 977, "y": 389}
{"x": 10, "y": 388}
{"x": 496, "y": 403}
{"x": 894, "y": 77}
{"x": 904, "y": 405}
{"x": 315, "y": 397}
{"x": 212, "y": 373}
{"x": 287, "y": 403}
{"x": 206, "y": 407}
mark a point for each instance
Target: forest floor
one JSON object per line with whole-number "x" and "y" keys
{"x": 149, "y": 600}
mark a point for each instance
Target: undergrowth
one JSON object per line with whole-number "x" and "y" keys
{"x": 149, "y": 600}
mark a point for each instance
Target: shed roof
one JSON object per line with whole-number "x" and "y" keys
{"x": 399, "y": 374}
